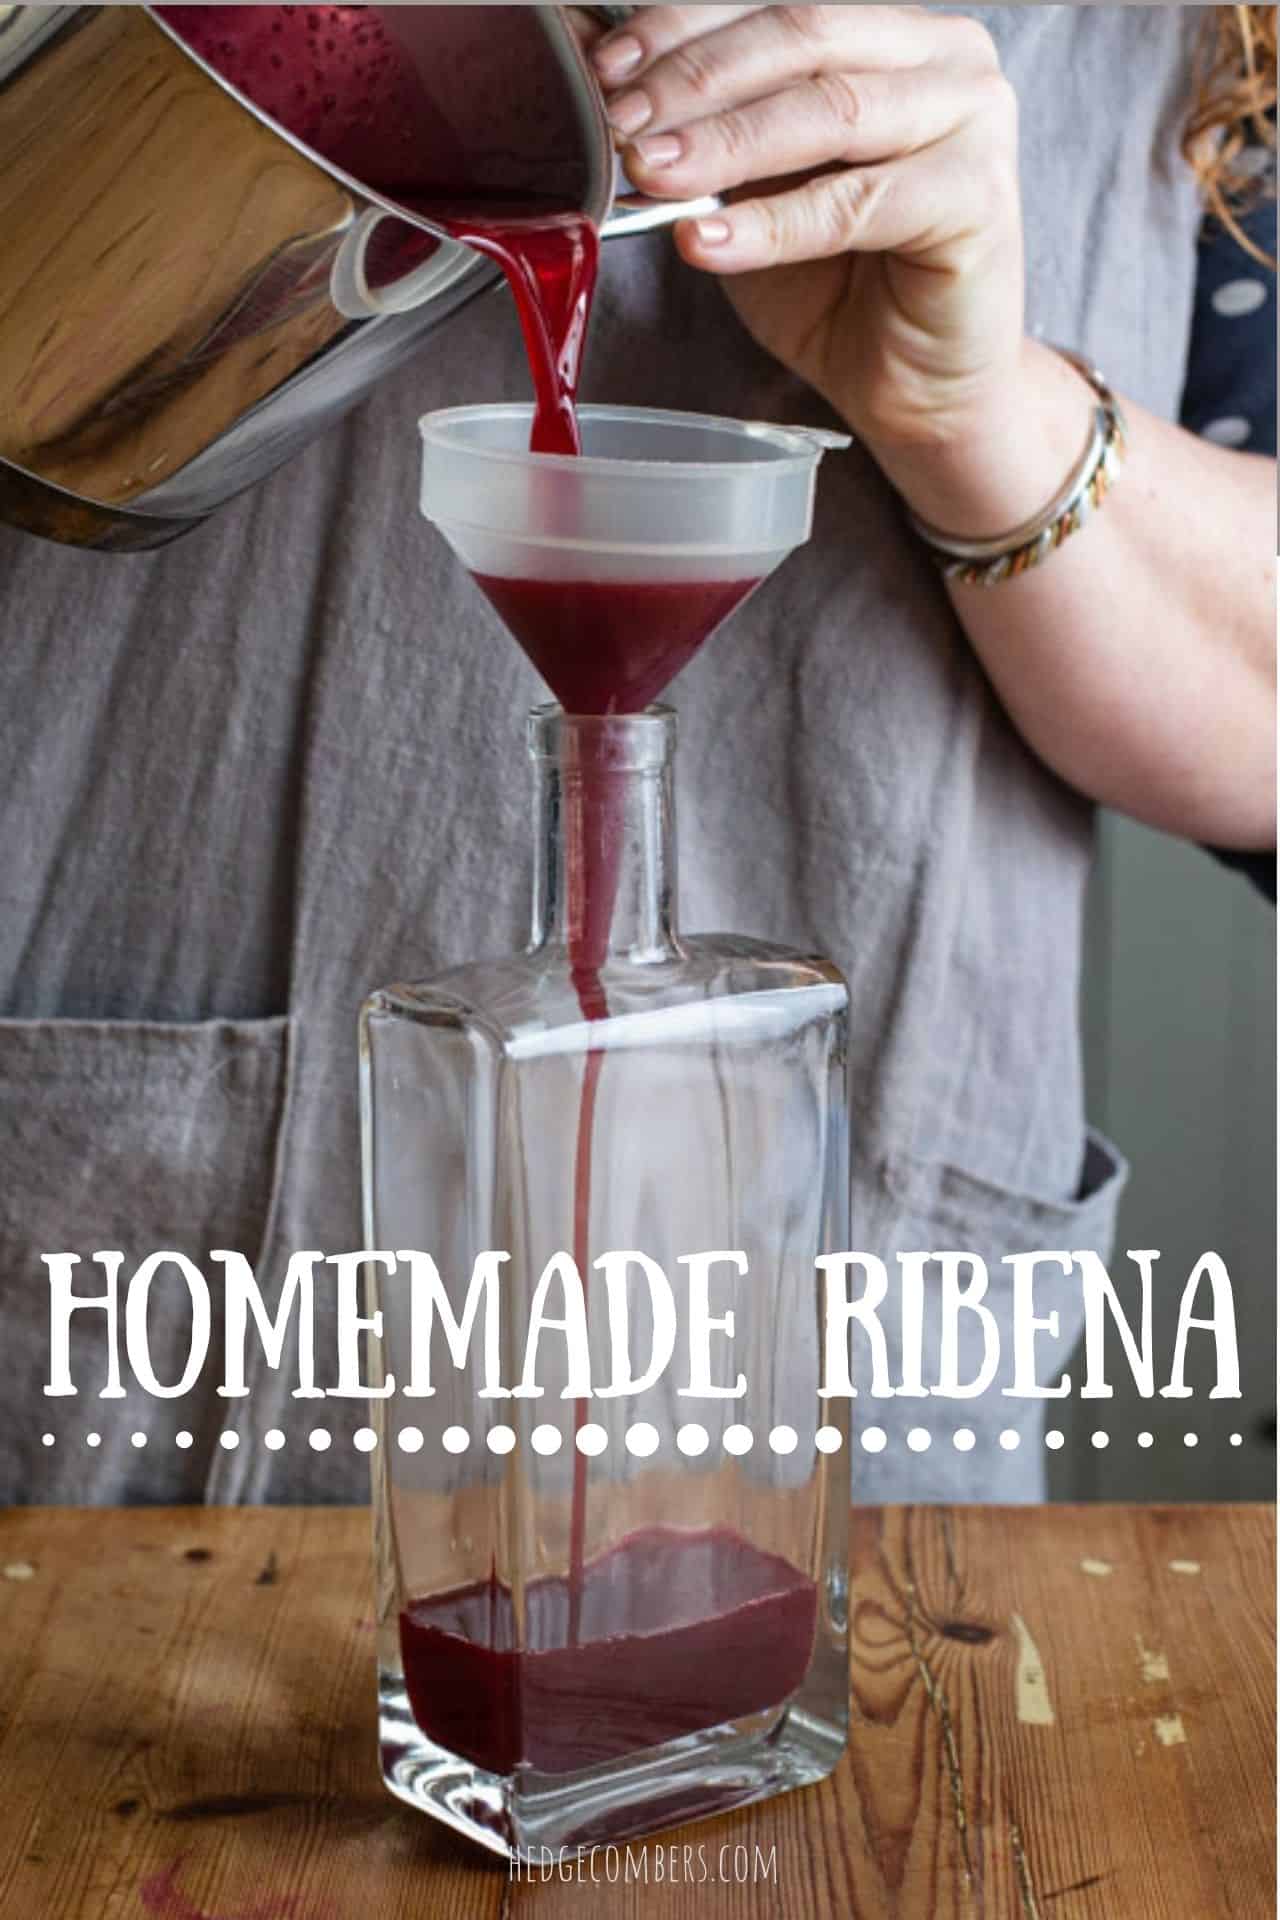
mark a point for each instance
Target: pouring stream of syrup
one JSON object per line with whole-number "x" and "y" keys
{"x": 668, "y": 1631}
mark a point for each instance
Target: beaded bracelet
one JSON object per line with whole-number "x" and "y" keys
{"x": 985, "y": 563}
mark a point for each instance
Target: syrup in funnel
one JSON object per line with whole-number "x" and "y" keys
{"x": 611, "y": 646}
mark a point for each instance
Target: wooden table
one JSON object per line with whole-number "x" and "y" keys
{"x": 1060, "y": 1714}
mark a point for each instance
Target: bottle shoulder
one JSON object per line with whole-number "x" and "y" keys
{"x": 525, "y": 995}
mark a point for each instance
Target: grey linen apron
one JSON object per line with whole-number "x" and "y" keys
{"x": 247, "y": 778}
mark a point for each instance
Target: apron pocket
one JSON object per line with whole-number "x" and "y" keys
{"x": 936, "y": 1208}
{"x": 957, "y": 1202}
{"x": 137, "y": 1136}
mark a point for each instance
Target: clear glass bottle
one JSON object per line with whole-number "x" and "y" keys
{"x": 591, "y": 1630}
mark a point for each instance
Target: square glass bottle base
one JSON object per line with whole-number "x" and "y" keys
{"x": 525, "y": 1814}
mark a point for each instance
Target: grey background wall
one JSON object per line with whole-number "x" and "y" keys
{"x": 1180, "y": 1045}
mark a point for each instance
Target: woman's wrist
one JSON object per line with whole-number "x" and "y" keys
{"x": 978, "y": 477}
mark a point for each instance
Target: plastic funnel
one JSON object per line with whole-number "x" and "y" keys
{"x": 612, "y": 568}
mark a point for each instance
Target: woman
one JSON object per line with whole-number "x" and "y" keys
{"x": 264, "y": 774}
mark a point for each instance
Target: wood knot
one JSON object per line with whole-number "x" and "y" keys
{"x": 234, "y": 1806}
{"x": 971, "y": 1632}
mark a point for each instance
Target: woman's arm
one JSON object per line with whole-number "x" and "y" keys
{"x": 874, "y": 244}
{"x": 1139, "y": 662}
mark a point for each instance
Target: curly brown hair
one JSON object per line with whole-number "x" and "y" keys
{"x": 1234, "y": 113}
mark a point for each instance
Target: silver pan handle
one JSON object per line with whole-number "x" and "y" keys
{"x": 635, "y": 213}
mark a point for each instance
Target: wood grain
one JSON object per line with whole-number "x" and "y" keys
{"x": 187, "y": 1730}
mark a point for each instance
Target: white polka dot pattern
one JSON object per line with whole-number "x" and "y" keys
{"x": 1235, "y": 298}
{"x": 1231, "y": 431}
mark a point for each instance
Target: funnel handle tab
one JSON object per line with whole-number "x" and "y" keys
{"x": 824, "y": 438}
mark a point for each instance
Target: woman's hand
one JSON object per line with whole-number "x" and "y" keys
{"x": 874, "y": 242}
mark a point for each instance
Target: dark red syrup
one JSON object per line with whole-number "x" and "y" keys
{"x": 611, "y": 646}
{"x": 338, "y": 81}
{"x": 335, "y": 79}
{"x": 677, "y": 1632}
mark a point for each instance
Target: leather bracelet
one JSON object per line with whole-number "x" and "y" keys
{"x": 986, "y": 563}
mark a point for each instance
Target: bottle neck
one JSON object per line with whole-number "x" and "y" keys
{"x": 604, "y": 881}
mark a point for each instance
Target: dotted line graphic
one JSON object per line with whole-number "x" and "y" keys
{"x": 641, "y": 1439}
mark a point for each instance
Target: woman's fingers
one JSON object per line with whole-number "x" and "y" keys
{"x": 681, "y": 68}
{"x": 652, "y": 31}
{"x": 857, "y": 118}
{"x": 926, "y": 202}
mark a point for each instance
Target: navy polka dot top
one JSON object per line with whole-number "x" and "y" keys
{"x": 1230, "y": 392}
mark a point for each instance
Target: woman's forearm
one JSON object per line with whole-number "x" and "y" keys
{"x": 1139, "y": 661}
